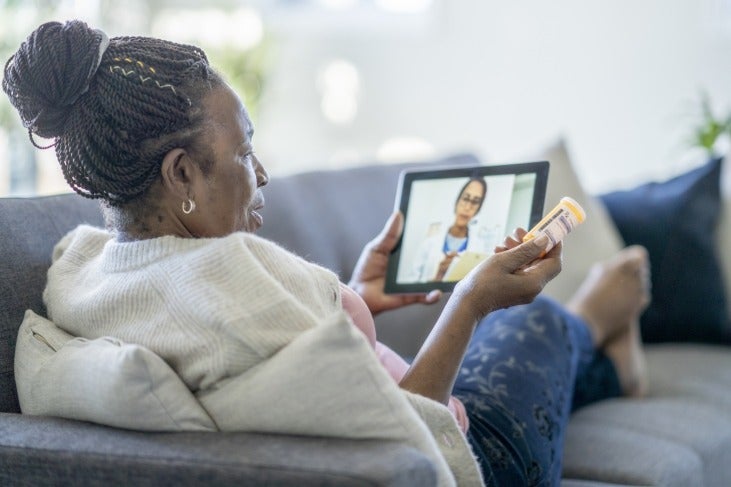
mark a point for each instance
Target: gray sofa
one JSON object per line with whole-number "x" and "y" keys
{"x": 679, "y": 436}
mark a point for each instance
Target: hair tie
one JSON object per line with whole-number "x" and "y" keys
{"x": 103, "y": 45}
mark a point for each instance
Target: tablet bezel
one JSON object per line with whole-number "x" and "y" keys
{"x": 409, "y": 176}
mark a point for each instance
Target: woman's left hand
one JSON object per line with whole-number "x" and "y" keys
{"x": 369, "y": 275}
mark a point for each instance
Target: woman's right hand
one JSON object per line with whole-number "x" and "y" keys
{"x": 515, "y": 274}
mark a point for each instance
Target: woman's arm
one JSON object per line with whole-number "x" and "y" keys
{"x": 512, "y": 276}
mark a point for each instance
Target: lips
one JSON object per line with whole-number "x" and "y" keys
{"x": 257, "y": 218}
{"x": 258, "y": 205}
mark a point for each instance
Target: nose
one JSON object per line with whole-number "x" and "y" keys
{"x": 262, "y": 177}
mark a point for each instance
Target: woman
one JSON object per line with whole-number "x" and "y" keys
{"x": 437, "y": 252}
{"x": 149, "y": 128}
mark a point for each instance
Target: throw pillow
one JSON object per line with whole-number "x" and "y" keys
{"x": 104, "y": 381}
{"x": 676, "y": 221}
{"x": 723, "y": 239}
{"x": 123, "y": 385}
{"x": 330, "y": 375}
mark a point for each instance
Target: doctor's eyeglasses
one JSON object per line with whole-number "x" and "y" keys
{"x": 466, "y": 200}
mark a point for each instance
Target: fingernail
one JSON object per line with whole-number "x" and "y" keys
{"x": 432, "y": 295}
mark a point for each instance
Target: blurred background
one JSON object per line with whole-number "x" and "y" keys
{"x": 638, "y": 90}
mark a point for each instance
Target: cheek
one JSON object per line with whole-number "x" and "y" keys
{"x": 227, "y": 203}
{"x": 238, "y": 188}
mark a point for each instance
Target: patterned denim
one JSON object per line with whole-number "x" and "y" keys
{"x": 526, "y": 369}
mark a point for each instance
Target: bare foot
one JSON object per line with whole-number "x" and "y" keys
{"x": 625, "y": 351}
{"x": 610, "y": 301}
{"x": 614, "y": 294}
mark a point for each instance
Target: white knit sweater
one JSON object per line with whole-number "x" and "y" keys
{"x": 215, "y": 309}
{"x": 211, "y": 308}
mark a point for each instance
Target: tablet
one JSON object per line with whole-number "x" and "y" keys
{"x": 455, "y": 216}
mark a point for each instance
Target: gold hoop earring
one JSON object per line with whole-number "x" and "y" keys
{"x": 190, "y": 208}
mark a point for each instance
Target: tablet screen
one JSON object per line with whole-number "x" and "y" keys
{"x": 455, "y": 216}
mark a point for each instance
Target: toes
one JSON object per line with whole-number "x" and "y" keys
{"x": 641, "y": 262}
{"x": 633, "y": 257}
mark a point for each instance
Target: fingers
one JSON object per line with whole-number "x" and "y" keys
{"x": 548, "y": 266}
{"x": 430, "y": 298}
{"x": 512, "y": 241}
{"x": 389, "y": 236}
{"x": 433, "y": 296}
{"x": 514, "y": 276}
{"x": 525, "y": 253}
{"x": 519, "y": 233}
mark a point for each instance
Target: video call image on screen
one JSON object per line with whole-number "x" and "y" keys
{"x": 436, "y": 205}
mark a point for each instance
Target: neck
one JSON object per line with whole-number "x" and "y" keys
{"x": 140, "y": 220}
{"x": 459, "y": 231}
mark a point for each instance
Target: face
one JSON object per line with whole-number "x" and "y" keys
{"x": 229, "y": 198}
{"x": 468, "y": 203}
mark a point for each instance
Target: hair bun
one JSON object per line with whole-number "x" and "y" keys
{"x": 49, "y": 72}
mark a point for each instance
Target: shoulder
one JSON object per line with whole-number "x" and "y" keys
{"x": 306, "y": 280}
{"x": 274, "y": 256}
{"x": 83, "y": 239}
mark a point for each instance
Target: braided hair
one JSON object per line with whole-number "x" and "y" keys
{"x": 113, "y": 113}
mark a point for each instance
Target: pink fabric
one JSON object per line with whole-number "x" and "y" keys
{"x": 396, "y": 366}
{"x": 354, "y": 305}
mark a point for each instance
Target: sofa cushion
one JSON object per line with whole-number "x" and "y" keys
{"x": 104, "y": 381}
{"x": 623, "y": 456}
{"x": 683, "y": 429}
{"x": 565, "y": 482}
{"x": 676, "y": 221}
{"x": 688, "y": 422}
{"x": 691, "y": 370}
{"x": 31, "y": 227}
{"x": 44, "y": 451}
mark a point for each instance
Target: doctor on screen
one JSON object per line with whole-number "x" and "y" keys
{"x": 436, "y": 252}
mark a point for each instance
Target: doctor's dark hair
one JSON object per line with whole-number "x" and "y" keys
{"x": 482, "y": 182}
{"x": 113, "y": 111}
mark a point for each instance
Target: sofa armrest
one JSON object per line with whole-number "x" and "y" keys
{"x": 38, "y": 450}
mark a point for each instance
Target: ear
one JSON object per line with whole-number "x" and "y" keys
{"x": 179, "y": 174}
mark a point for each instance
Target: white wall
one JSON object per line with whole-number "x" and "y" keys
{"x": 619, "y": 79}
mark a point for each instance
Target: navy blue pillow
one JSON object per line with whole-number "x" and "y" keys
{"x": 676, "y": 221}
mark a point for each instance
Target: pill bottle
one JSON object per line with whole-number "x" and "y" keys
{"x": 557, "y": 223}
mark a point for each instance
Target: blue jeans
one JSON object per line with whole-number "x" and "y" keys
{"x": 526, "y": 368}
